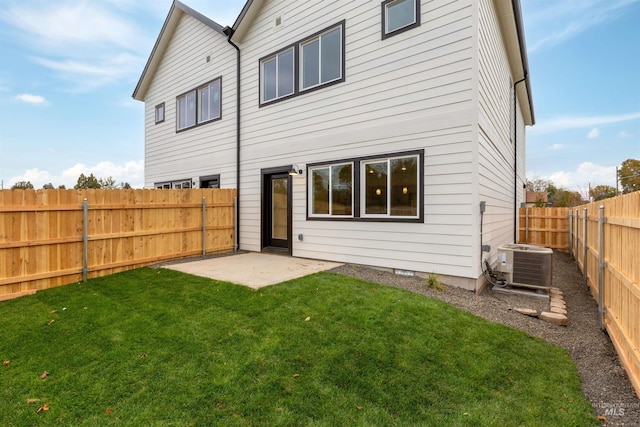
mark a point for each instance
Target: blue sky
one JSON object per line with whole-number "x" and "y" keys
{"x": 68, "y": 69}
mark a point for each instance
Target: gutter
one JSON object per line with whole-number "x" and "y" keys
{"x": 515, "y": 157}
{"x": 228, "y": 31}
{"x": 517, "y": 13}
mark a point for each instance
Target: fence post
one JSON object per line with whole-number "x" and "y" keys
{"x": 570, "y": 233}
{"x": 601, "y": 266}
{"x": 85, "y": 239}
{"x": 235, "y": 224}
{"x": 585, "y": 246}
{"x": 204, "y": 227}
{"x": 526, "y": 226}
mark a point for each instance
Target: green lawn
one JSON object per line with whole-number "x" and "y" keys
{"x": 157, "y": 347}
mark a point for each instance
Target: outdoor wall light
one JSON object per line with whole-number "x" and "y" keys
{"x": 295, "y": 170}
{"x": 378, "y": 191}
{"x": 405, "y": 190}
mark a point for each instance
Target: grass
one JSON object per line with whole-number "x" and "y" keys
{"x": 157, "y": 347}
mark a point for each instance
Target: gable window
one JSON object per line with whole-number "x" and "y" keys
{"x": 314, "y": 62}
{"x": 199, "y": 105}
{"x": 160, "y": 113}
{"x": 278, "y": 75}
{"x": 209, "y": 101}
{"x": 321, "y": 58}
{"x": 372, "y": 188}
{"x": 399, "y": 16}
{"x": 331, "y": 190}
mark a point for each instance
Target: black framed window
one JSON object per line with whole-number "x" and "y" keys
{"x": 373, "y": 188}
{"x": 312, "y": 63}
{"x": 200, "y": 105}
{"x": 390, "y": 187}
{"x": 331, "y": 190}
{"x": 209, "y": 101}
{"x": 278, "y": 75}
{"x": 159, "y": 113}
{"x": 187, "y": 110}
{"x": 399, "y": 16}
{"x": 321, "y": 59}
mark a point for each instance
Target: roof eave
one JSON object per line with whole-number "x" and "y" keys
{"x": 162, "y": 41}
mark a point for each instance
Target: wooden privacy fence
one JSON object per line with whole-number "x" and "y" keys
{"x": 546, "y": 227}
{"x": 51, "y": 238}
{"x": 604, "y": 239}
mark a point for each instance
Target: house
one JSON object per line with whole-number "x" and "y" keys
{"x": 536, "y": 198}
{"x": 384, "y": 133}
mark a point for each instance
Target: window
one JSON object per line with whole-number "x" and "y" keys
{"x": 199, "y": 105}
{"x": 182, "y": 183}
{"x": 209, "y": 101}
{"x": 210, "y": 181}
{"x": 368, "y": 189}
{"x": 399, "y": 16}
{"x": 390, "y": 187}
{"x": 320, "y": 63}
{"x": 321, "y": 59}
{"x": 160, "y": 113}
{"x": 187, "y": 110}
{"x": 331, "y": 190}
{"x": 278, "y": 76}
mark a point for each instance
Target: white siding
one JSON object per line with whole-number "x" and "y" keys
{"x": 496, "y": 144}
{"x": 411, "y": 91}
{"x": 210, "y": 148}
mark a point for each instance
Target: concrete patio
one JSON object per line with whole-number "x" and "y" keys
{"x": 253, "y": 269}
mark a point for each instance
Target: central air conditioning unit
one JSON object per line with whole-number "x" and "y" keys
{"x": 526, "y": 265}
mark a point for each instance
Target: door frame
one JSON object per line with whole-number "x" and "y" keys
{"x": 265, "y": 210}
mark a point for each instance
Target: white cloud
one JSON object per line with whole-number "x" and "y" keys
{"x": 566, "y": 123}
{"x": 593, "y": 133}
{"x": 32, "y": 99}
{"x": 551, "y": 23}
{"x": 131, "y": 172}
{"x": 623, "y": 134}
{"x": 586, "y": 173}
{"x": 556, "y": 147}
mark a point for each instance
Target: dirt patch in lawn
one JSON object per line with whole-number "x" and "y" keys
{"x": 604, "y": 380}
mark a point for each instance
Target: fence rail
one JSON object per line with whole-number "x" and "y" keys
{"x": 50, "y": 238}
{"x": 604, "y": 239}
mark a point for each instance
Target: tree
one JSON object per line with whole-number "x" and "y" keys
{"x": 601, "y": 192}
{"x": 85, "y": 182}
{"x": 629, "y": 175}
{"x": 537, "y": 184}
{"x": 125, "y": 186}
{"x": 48, "y": 186}
{"x": 564, "y": 198}
{"x": 62, "y": 187}
{"x": 108, "y": 183}
{"x": 22, "y": 185}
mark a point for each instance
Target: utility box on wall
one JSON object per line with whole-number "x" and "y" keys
{"x": 526, "y": 265}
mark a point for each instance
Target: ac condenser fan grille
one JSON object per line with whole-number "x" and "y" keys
{"x": 532, "y": 268}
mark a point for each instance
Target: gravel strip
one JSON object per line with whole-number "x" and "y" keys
{"x": 604, "y": 381}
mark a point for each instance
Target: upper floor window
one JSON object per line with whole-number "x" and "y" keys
{"x": 187, "y": 110}
{"x": 399, "y": 16}
{"x": 321, "y": 58}
{"x": 278, "y": 75}
{"x": 199, "y": 105}
{"x": 209, "y": 101}
{"x": 160, "y": 113}
{"x": 320, "y": 63}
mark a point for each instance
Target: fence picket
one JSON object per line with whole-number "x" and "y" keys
{"x": 41, "y": 232}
